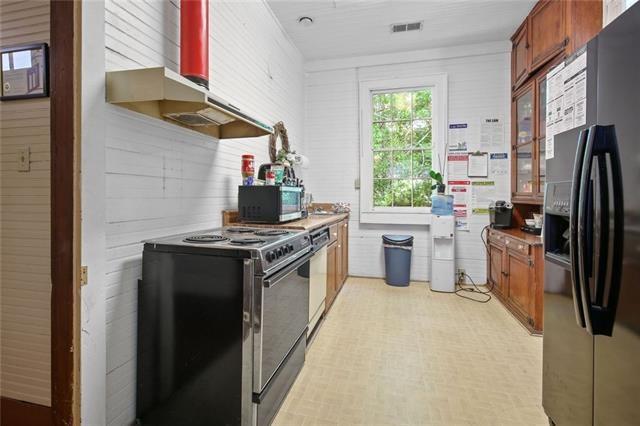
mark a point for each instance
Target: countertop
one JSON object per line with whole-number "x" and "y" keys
{"x": 308, "y": 224}
{"x": 534, "y": 240}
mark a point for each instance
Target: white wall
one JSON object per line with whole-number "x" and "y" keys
{"x": 479, "y": 79}
{"x": 161, "y": 179}
{"x": 25, "y": 216}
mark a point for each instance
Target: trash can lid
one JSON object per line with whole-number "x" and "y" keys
{"x": 398, "y": 240}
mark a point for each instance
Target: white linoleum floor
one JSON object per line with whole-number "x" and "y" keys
{"x": 393, "y": 356}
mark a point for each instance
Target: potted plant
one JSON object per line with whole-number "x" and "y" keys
{"x": 439, "y": 185}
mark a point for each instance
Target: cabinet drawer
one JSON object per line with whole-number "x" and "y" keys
{"x": 517, "y": 246}
{"x": 333, "y": 232}
{"x": 496, "y": 238}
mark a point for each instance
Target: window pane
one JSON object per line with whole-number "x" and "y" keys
{"x": 402, "y": 193}
{"x": 392, "y": 134}
{"x": 422, "y": 133}
{"x": 382, "y": 164}
{"x": 392, "y": 106}
{"x": 401, "y": 164}
{"x": 382, "y": 195}
{"x": 422, "y": 104}
{"x": 400, "y": 134}
{"x": 421, "y": 193}
{"x": 421, "y": 163}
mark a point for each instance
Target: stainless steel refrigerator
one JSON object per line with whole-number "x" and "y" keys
{"x": 591, "y": 346}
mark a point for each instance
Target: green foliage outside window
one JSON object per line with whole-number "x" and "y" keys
{"x": 401, "y": 140}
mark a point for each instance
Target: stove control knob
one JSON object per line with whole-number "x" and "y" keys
{"x": 279, "y": 252}
{"x": 290, "y": 246}
{"x": 269, "y": 256}
{"x": 286, "y": 249}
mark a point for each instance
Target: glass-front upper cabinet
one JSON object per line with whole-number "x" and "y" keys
{"x": 523, "y": 149}
{"x": 524, "y": 117}
{"x": 542, "y": 133}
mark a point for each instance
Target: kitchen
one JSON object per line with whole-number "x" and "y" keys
{"x": 334, "y": 212}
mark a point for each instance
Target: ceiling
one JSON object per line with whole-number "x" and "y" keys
{"x": 343, "y": 28}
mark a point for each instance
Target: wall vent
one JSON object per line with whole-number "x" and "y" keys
{"x": 403, "y": 28}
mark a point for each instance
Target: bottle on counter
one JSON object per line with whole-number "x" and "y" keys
{"x": 270, "y": 177}
{"x": 248, "y": 169}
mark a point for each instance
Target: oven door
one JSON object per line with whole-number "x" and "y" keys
{"x": 281, "y": 313}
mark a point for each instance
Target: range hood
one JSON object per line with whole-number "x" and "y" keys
{"x": 162, "y": 93}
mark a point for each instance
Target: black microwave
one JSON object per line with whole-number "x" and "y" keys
{"x": 270, "y": 203}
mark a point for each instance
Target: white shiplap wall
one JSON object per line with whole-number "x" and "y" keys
{"x": 25, "y": 261}
{"x": 478, "y": 88}
{"x": 162, "y": 179}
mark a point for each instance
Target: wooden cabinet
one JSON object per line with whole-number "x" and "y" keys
{"x": 547, "y": 31}
{"x": 528, "y": 111}
{"x": 337, "y": 260}
{"x": 344, "y": 250}
{"x": 332, "y": 289}
{"x": 515, "y": 273}
{"x": 519, "y": 56}
{"x": 553, "y": 28}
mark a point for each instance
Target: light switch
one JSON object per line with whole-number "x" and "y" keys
{"x": 356, "y": 183}
{"x": 24, "y": 159}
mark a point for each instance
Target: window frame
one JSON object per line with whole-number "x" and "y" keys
{"x": 439, "y": 96}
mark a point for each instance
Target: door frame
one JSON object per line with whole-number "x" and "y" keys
{"x": 65, "y": 62}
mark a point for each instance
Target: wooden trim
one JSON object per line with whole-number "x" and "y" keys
{"x": 65, "y": 202}
{"x": 14, "y": 412}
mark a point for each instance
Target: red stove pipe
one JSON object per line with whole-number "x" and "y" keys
{"x": 194, "y": 41}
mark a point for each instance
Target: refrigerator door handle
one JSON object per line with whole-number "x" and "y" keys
{"x": 573, "y": 228}
{"x": 609, "y": 272}
{"x": 585, "y": 230}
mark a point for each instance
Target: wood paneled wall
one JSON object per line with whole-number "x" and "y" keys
{"x": 25, "y": 261}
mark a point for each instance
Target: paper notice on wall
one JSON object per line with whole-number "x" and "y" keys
{"x": 458, "y": 137}
{"x": 478, "y": 165}
{"x": 499, "y": 172}
{"x": 566, "y": 98}
{"x": 482, "y": 193}
{"x": 491, "y": 135}
{"x": 460, "y": 189}
{"x": 457, "y": 166}
{"x": 461, "y": 215}
{"x": 498, "y": 164}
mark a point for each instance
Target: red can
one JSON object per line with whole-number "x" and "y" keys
{"x": 248, "y": 167}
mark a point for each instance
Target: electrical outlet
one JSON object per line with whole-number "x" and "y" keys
{"x": 460, "y": 273}
{"x": 24, "y": 159}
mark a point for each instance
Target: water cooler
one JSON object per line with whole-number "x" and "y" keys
{"x": 443, "y": 277}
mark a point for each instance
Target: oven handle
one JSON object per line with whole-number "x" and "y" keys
{"x": 275, "y": 279}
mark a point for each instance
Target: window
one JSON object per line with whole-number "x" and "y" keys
{"x": 401, "y": 132}
{"x": 401, "y": 139}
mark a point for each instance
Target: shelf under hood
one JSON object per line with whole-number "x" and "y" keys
{"x": 165, "y": 94}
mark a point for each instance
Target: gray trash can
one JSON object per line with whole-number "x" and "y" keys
{"x": 397, "y": 259}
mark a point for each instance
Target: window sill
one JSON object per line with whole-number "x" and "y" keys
{"x": 395, "y": 218}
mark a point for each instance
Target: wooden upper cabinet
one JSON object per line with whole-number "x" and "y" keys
{"x": 519, "y": 58}
{"x": 547, "y": 32}
{"x": 554, "y": 28}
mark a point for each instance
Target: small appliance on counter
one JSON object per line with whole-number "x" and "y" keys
{"x": 270, "y": 203}
{"x": 500, "y": 214}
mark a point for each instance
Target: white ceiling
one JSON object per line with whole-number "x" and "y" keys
{"x": 343, "y": 28}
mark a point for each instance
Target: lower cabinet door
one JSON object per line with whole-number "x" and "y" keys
{"x": 331, "y": 275}
{"x": 495, "y": 269}
{"x": 520, "y": 285}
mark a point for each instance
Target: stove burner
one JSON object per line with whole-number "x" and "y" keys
{"x": 271, "y": 232}
{"x": 240, "y": 230}
{"x": 246, "y": 241}
{"x": 205, "y": 238}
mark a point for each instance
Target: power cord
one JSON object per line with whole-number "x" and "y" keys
{"x": 486, "y": 295}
